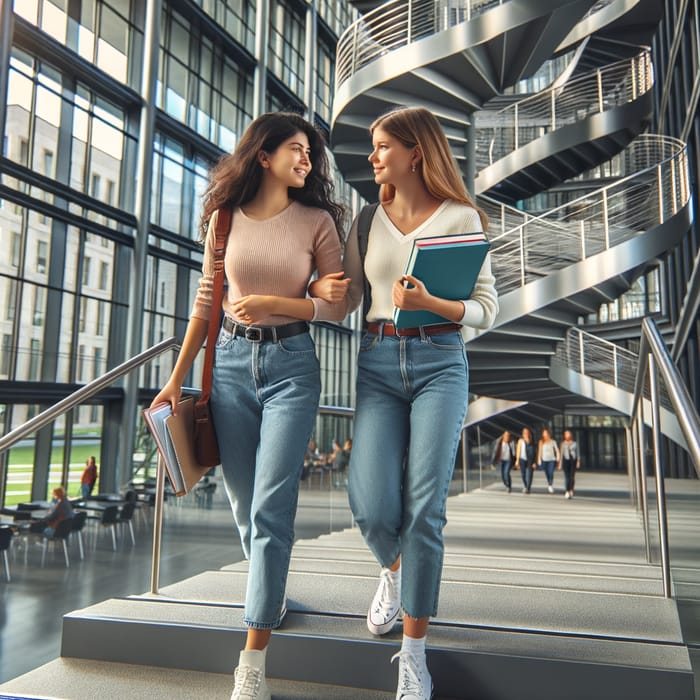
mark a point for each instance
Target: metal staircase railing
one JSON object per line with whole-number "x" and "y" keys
{"x": 655, "y": 359}
{"x": 601, "y": 359}
{"x": 398, "y": 23}
{"x": 84, "y": 393}
{"x": 595, "y": 222}
{"x": 498, "y": 133}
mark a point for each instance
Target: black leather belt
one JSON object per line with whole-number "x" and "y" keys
{"x": 257, "y": 334}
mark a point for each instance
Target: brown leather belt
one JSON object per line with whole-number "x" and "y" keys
{"x": 390, "y": 329}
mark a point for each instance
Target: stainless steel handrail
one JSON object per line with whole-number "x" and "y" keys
{"x": 160, "y": 499}
{"x": 85, "y": 392}
{"x": 655, "y": 359}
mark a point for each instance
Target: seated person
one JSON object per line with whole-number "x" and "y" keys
{"x": 61, "y": 509}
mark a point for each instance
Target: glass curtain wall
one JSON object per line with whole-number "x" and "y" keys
{"x": 69, "y": 177}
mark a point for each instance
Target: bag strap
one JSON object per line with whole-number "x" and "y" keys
{"x": 364, "y": 222}
{"x": 223, "y": 226}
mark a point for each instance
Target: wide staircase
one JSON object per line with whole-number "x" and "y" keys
{"x": 541, "y": 598}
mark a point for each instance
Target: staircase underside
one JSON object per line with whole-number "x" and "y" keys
{"x": 452, "y": 72}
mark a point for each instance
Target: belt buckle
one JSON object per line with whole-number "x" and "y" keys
{"x": 253, "y": 334}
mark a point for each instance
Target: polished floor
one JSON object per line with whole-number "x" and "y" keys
{"x": 195, "y": 539}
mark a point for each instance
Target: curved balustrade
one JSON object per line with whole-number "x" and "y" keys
{"x": 656, "y": 190}
{"x": 498, "y": 133}
{"x": 398, "y": 23}
{"x": 597, "y": 358}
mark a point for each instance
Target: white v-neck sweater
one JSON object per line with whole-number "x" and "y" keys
{"x": 388, "y": 251}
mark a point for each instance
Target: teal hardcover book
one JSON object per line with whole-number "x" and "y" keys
{"x": 448, "y": 266}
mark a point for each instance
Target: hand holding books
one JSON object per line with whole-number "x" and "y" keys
{"x": 174, "y": 436}
{"x": 440, "y": 266}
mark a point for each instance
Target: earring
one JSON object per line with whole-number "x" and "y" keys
{"x": 413, "y": 168}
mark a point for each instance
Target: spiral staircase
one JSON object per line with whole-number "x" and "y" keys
{"x": 554, "y": 268}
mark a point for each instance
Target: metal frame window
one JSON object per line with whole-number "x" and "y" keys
{"x": 287, "y": 41}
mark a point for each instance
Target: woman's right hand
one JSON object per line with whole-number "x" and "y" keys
{"x": 170, "y": 393}
{"x": 331, "y": 287}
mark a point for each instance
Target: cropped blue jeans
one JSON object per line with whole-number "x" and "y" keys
{"x": 264, "y": 402}
{"x": 411, "y": 404}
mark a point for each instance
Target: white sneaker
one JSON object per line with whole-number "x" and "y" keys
{"x": 415, "y": 682}
{"x": 250, "y": 683}
{"x": 567, "y": 495}
{"x": 386, "y": 604}
{"x": 550, "y": 489}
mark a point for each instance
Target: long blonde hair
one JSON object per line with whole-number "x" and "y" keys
{"x": 416, "y": 126}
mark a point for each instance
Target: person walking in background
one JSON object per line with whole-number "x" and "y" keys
{"x": 412, "y": 387}
{"x": 547, "y": 457}
{"x": 266, "y": 380}
{"x": 569, "y": 461}
{"x": 526, "y": 455}
{"x": 88, "y": 478}
{"x": 504, "y": 455}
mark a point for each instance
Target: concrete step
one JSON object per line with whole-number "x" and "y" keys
{"x": 336, "y": 649}
{"x": 80, "y": 679}
{"x": 511, "y": 606}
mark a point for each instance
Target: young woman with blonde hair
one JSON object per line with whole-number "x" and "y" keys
{"x": 412, "y": 383}
{"x": 547, "y": 457}
{"x": 266, "y": 380}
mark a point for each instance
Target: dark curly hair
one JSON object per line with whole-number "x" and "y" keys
{"x": 235, "y": 179}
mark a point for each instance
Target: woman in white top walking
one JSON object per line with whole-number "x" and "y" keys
{"x": 412, "y": 388}
{"x": 570, "y": 461}
{"x": 547, "y": 457}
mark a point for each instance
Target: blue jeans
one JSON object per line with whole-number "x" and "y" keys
{"x": 411, "y": 404}
{"x": 85, "y": 491}
{"x": 505, "y": 471}
{"x": 526, "y": 473}
{"x": 549, "y": 467}
{"x": 264, "y": 402}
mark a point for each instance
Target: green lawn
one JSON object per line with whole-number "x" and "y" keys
{"x": 21, "y": 464}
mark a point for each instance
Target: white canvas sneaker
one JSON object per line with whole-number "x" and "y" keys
{"x": 386, "y": 604}
{"x": 250, "y": 683}
{"x": 415, "y": 682}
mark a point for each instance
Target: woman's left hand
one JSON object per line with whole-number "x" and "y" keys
{"x": 413, "y": 298}
{"x": 251, "y": 309}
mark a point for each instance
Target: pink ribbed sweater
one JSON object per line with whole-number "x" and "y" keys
{"x": 277, "y": 257}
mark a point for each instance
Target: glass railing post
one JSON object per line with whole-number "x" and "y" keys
{"x": 643, "y": 479}
{"x": 158, "y": 526}
{"x": 478, "y": 448}
{"x": 465, "y": 446}
{"x": 659, "y": 477}
{"x": 631, "y": 470}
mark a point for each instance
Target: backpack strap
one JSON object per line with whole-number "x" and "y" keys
{"x": 364, "y": 222}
